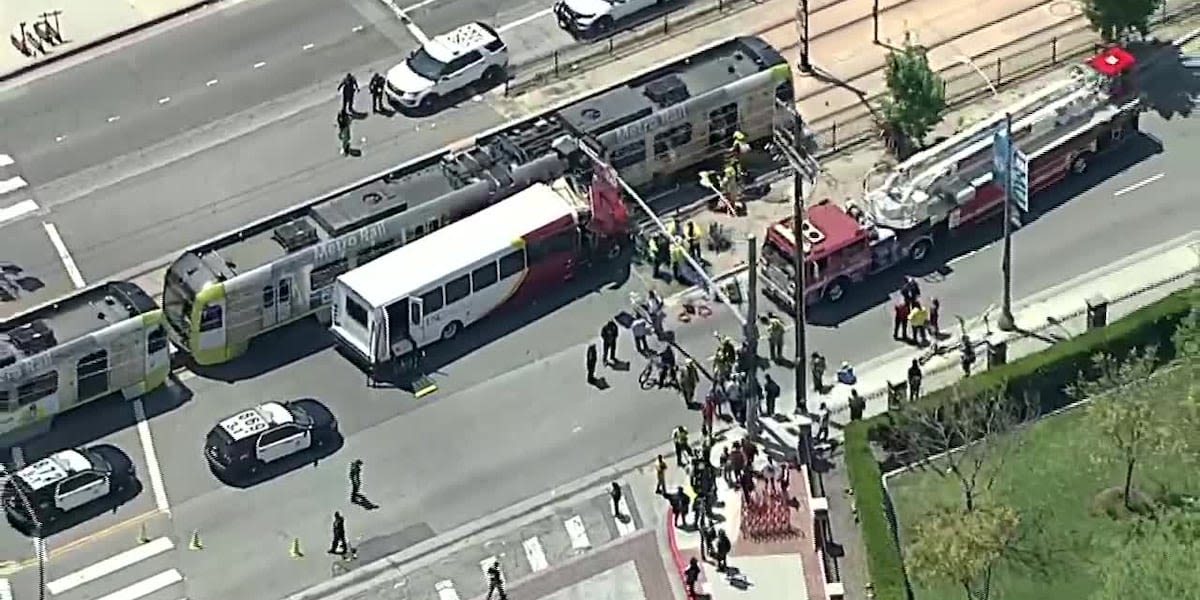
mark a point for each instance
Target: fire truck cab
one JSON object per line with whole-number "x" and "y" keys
{"x": 837, "y": 253}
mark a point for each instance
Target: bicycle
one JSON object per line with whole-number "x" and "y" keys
{"x": 647, "y": 379}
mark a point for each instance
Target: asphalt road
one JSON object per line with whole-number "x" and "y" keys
{"x": 513, "y": 417}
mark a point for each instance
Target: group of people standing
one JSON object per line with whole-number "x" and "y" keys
{"x": 348, "y": 88}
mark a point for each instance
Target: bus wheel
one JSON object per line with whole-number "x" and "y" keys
{"x": 836, "y": 290}
{"x": 920, "y": 251}
{"x": 450, "y": 330}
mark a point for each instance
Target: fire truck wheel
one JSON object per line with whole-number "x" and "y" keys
{"x": 836, "y": 290}
{"x": 920, "y": 251}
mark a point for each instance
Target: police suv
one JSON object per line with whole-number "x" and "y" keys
{"x": 250, "y": 439}
{"x": 472, "y": 53}
{"x": 591, "y": 18}
{"x": 65, "y": 481}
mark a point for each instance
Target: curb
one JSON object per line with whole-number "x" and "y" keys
{"x": 105, "y": 39}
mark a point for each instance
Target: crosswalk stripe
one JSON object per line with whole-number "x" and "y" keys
{"x": 5, "y": 590}
{"x": 146, "y": 586}
{"x": 17, "y": 210}
{"x": 535, "y": 554}
{"x": 6, "y": 160}
{"x": 624, "y": 526}
{"x": 445, "y": 590}
{"x": 12, "y": 184}
{"x": 578, "y": 533}
{"x": 109, "y": 566}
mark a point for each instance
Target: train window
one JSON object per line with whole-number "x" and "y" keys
{"x": 628, "y": 155}
{"x": 512, "y": 263}
{"x": 672, "y": 138}
{"x": 433, "y": 224}
{"x": 4, "y": 400}
{"x": 563, "y": 241}
{"x": 418, "y": 232}
{"x": 484, "y": 276}
{"x": 356, "y": 311}
{"x": 785, "y": 92}
{"x": 157, "y": 341}
{"x": 43, "y": 385}
{"x": 367, "y": 255}
{"x": 212, "y": 317}
{"x": 432, "y": 300}
{"x": 323, "y": 276}
{"x": 268, "y": 296}
{"x": 285, "y": 290}
{"x": 415, "y": 314}
{"x": 722, "y": 122}
{"x": 458, "y": 289}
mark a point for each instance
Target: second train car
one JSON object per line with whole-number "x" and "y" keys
{"x": 220, "y": 295}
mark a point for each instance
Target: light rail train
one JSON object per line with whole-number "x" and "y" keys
{"x": 221, "y": 294}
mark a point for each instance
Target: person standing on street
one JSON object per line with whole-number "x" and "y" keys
{"x": 614, "y": 492}
{"x": 707, "y": 414}
{"x": 935, "y": 313}
{"x": 689, "y": 378}
{"x": 591, "y": 363}
{"x": 348, "y": 87}
{"x": 968, "y": 355}
{"x": 900, "y": 320}
{"x": 724, "y": 546}
{"x": 660, "y": 476}
{"x": 823, "y": 417}
{"x": 857, "y": 405}
{"x": 817, "y": 364}
{"x": 775, "y": 331}
{"x": 496, "y": 582}
{"x": 608, "y": 341}
{"x": 343, "y": 127}
{"x": 641, "y": 330}
{"x": 772, "y": 391}
{"x": 914, "y": 380}
{"x": 356, "y": 496}
{"x": 339, "y": 545}
{"x": 680, "y": 438}
{"x": 376, "y": 88}
{"x": 691, "y": 575}
{"x": 918, "y": 318}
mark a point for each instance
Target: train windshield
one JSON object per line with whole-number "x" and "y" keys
{"x": 177, "y": 304}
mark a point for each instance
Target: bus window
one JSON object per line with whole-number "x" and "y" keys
{"x": 157, "y": 340}
{"x": 512, "y": 263}
{"x": 672, "y": 138}
{"x": 415, "y": 313}
{"x": 356, "y": 311}
{"x": 722, "y": 122}
{"x": 628, "y": 155}
{"x": 432, "y": 301}
{"x": 458, "y": 289}
{"x": 211, "y": 317}
{"x": 484, "y": 276}
{"x": 43, "y": 385}
{"x": 563, "y": 241}
{"x": 268, "y": 296}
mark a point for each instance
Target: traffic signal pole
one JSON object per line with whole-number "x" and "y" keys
{"x": 1006, "y": 321}
{"x": 789, "y": 138}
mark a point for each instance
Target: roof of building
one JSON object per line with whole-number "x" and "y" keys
{"x": 256, "y": 420}
{"x": 412, "y": 268}
{"x": 54, "y": 468}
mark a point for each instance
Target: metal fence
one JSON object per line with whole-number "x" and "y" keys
{"x": 1004, "y": 66}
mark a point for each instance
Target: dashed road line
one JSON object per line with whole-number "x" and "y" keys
{"x": 525, "y": 20}
{"x": 1139, "y": 185}
{"x": 164, "y": 100}
{"x": 211, "y": 82}
{"x": 64, "y": 255}
{"x": 260, "y": 64}
{"x": 308, "y": 46}
{"x": 114, "y": 118}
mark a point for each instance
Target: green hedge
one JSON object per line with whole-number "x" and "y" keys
{"x": 1043, "y": 375}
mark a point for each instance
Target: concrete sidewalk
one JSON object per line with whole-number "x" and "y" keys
{"x": 80, "y": 24}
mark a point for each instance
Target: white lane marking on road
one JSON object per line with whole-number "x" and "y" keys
{"x": 445, "y": 590}
{"x": 155, "y": 472}
{"x": 6, "y": 160}
{"x": 1139, "y": 185}
{"x": 260, "y": 64}
{"x": 535, "y": 554}
{"x": 356, "y": 29}
{"x": 5, "y": 590}
{"x": 60, "y": 138}
{"x": 164, "y": 100}
{"x": 109, "y": 565}
{"x": 114, "y": 118}
{"x": 421, "y": 4}
{"x": 308, "y": 46}
{"x": 210, "y": 83}
{"x": 19, "y": 209}
{"x": 146, "y": 586}
{"x": 625, "y": 525}
{"x": 12, "y": 184}
{"x": 577, "y": 532}
{"x": 525, "y": 20}
{"x": 64, "y": 255}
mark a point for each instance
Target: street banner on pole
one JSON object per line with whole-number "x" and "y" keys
{"x": 1019, "y": 187}
{"x": 1001, "y": 156}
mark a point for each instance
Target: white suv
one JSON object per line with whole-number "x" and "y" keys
{"x": 472, "y": 53}
{"x": 590, "y": 18}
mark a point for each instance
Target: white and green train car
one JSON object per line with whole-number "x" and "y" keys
{"x": 102, "y": 340}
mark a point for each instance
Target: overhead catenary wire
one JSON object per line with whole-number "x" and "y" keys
{"x": 691, "y": 261}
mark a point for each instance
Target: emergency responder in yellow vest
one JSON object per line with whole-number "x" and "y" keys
{"x": 775, "y": 330}
{"x": 652, "y": 250}
{"x": 691, "y": 232}
{"x": 672, "y": 227}
{"x": 731, "y": 185}
{"x": 677, "y": 261}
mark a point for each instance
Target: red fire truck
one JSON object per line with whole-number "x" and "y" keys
{"x": 947, "y": 188}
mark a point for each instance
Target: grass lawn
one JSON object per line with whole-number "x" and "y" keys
{"x": 1051, "y": 479}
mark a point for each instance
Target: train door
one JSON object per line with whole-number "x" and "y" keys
{"x": 91, "y": 375}
{"x": 268, "y": 305}
{"x": 283, "y": 297}
{"x": 212, "y": 326}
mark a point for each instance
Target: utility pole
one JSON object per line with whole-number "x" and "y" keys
{"x": 802, "y": 30}
{"x": 789, "y": 137}
{"x": 1006, "y": 321}
{"x": 875, "y": 19}
{"x": 750, "y": 390}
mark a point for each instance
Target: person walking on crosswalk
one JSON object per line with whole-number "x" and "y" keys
{"x": 339, "y": 545}
{"x": 614, "y": 492}
{"x": 356, "y": 495}
{"x": 496, "y": 582}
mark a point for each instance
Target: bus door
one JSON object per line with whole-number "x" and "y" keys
{"x": 283, "y": 297}
{"x": 416, "y": 321}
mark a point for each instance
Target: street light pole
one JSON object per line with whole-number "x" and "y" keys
{"x": 875, "y": 19}
{"x": 802, "y": 30}
{"x": 1006, "y": 321}
{"x": 789, "y": 138}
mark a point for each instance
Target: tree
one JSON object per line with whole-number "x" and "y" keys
{"x": 916, "y": 97}
{"x": 966, "y": 440}
{"x": 962, "y": 547}
{"x": 1115, "y": 18}
{"x": 1133, "y": 412}
{"x": 1157, "y": 560}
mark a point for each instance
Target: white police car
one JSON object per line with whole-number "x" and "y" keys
{"x": 65, "y": 481}
{"x": 248, "y": 440}
{"x": 472, "y": 53}
{"x": 590, "y": 18}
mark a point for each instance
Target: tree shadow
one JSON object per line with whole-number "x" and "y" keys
{"x": 1172, "y": 86}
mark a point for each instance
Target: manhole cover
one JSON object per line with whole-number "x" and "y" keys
{"x": 1064, "y": 8}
